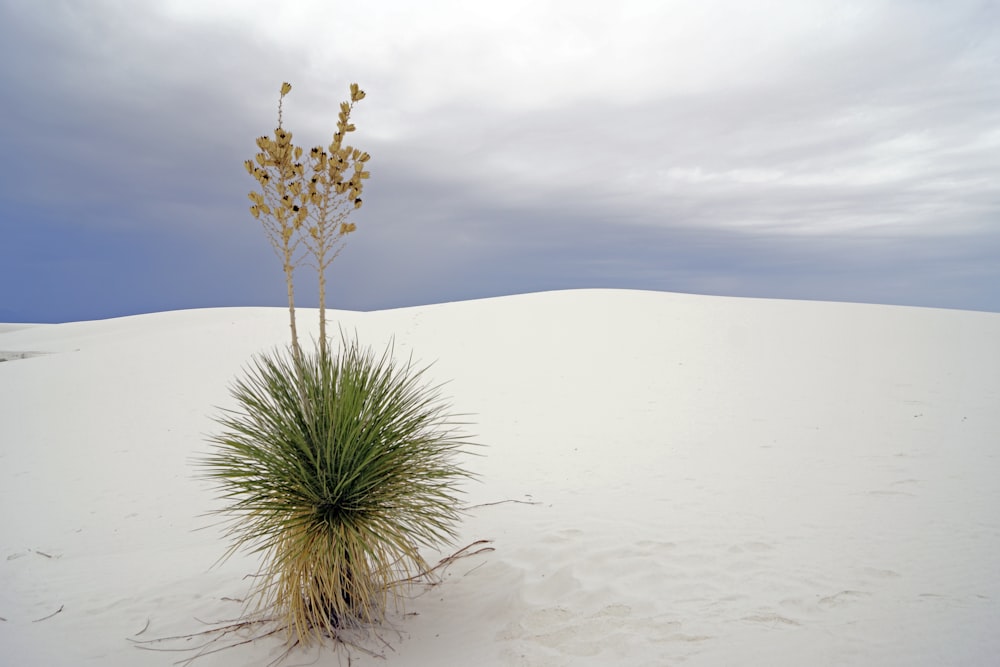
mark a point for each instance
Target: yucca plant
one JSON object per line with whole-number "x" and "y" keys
{"x": 336, "y": 468}
{"x": 340, "y": 493}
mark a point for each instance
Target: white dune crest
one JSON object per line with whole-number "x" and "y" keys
{"x": 666, "y": 478}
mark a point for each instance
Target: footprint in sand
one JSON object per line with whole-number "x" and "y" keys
{"x": 771, "y": 620}
{"x": 878, "y": 573}
{"x": 557, "y": 635}
{"x": 842, "y": 598}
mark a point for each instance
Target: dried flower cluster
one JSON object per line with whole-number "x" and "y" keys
{"x": 304, "y": 206}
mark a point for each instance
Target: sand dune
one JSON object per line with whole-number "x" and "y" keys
{"x": 667, "y": 479}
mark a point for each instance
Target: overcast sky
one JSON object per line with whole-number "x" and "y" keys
{"x": 836, "y": 150}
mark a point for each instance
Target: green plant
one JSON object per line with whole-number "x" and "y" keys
{"x": 339, "y": 494}
{"x": 337, "y": 468}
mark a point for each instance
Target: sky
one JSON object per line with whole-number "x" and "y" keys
{"x": 843, "y": 150}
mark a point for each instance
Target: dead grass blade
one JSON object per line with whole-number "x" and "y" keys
{"x": 45, "y": 618}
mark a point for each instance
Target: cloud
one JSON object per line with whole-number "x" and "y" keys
{"x": 812, "y": 149}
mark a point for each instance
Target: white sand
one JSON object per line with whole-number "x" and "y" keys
{"x": 716, "y": 482}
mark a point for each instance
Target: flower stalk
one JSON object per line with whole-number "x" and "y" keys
{"x": 305, "y": 210}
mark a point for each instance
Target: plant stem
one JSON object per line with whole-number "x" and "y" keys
{"x": 322, "y": 315}
{"x": 296, "y": 350}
